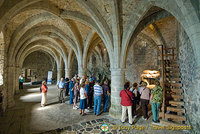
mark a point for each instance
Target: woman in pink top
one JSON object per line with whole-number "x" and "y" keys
{"x": 44, "y": 94}
{"x": 145, "y": 96}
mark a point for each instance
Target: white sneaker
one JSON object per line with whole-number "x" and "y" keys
{"x": 74, "y": 108}
{"x": 134, "y": 116}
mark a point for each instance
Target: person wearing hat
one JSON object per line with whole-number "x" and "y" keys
{"x": 98, "y": 91}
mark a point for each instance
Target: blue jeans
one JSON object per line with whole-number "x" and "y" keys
{"x": 106, "y": 97}
{"x": 155, "y": 111}
{"x": 71, "y": 96}
{"x": 97, "y": 104}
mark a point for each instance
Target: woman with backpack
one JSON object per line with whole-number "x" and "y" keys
{"x": 134, "y": 91}
{"x": 145, "y": 96}
{"x": 44, "y": 93}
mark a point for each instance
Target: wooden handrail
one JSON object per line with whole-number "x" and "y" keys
{"x": 163, "y": 79}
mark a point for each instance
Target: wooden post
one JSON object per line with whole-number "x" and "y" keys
{"x": 163, "y": 81}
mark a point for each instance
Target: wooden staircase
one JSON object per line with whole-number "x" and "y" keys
{"x": 173, "y": 112}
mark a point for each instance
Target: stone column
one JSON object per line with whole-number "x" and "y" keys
{"x": 68, "y": 73}
{"x": 81, "y": 72}
{"x": 18, "y": 72}
{"x": 10, "y": 86}
{"x": 59, "y": 74}
{"x": 117, "y": 84}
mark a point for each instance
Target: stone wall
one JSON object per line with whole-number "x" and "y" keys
{"x": 188, "y": 75}
{"x": 100, "y": 70}
{"x": 141, "y": 56}
{"x": 74, "y": 67}
{"x": 40, "y": 63}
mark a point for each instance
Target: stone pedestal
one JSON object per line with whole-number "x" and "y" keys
{"x": 117, "y": 84}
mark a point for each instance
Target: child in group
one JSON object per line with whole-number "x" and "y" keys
{"x": 83, "y": 99}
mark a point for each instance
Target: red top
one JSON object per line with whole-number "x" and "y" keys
{"x": 125, "y": 100}
{"x": 44, "y": 88}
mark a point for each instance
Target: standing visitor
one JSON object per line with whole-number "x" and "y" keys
{"x": 98, "y": 91}
{"x": 106, "y": 94}
{"x": 156, "y": 100}
{"x": 90, "y": 94}
{"x": 83, "y": 99}
{"x": 126, "y": 103}
{"x": 21, "y": 82}
{"x": 76, "y": 91}
{"x": 61, "y": 90}
{"x": 144, "y": 98}
{"x": 67, "y": 80}
{"x": 71, "y": 88}
{"x": 82, "y": 79}
{"x": 44, "y": 93}
{"x": 87, "y": 89}
{"x": 134, "y": 91}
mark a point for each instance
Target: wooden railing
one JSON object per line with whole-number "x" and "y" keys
{"x": 161, "y": 50}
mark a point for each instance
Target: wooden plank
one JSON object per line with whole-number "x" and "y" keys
{"x": 169, "y": 123}
{"x": 176, "y": 103}
{"x": 180, "y": 91}
{"x": 175, "y": 117}
{"x": 173, "y": 74}
{"x": 174, "y": 109}
{"x": 174, "y": 69}
{"x": 177, "y": 96}
{"x": 174, "y": 79}
{"x": 176, "y": 84}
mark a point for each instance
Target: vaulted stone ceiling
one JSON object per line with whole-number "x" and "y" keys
{"x": 79, "y": 28}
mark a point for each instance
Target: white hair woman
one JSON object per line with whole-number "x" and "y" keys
{"x": 44, "y": 93}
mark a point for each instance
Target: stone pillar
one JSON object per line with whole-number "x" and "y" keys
{"x": 18, "y": 73}
{"x": 10, "y": 86}
{"x": 117, "y": 84}
{"x": 59, "y": 74}
{"x": 68, "y": 73}
{"x": 81, "y": 72}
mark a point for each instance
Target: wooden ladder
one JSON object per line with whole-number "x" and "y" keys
{"x": 173, "y": 111}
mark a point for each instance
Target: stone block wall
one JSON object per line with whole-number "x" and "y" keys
{"x": 40, "y": 63}
{"x": 189, "y": 77}
{"x": 141, "y": 56}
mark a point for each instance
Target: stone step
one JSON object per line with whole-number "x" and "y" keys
{"x": 170, "y": 123}
{"x": 175, "y": 117}
{"x": 175, "y": 109}
{"x": 176, "y": 103}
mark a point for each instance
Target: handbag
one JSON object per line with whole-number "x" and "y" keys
{"x": 132, "y": 100}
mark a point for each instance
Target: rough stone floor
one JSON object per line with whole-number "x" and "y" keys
{"x": 28, "y": 117}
